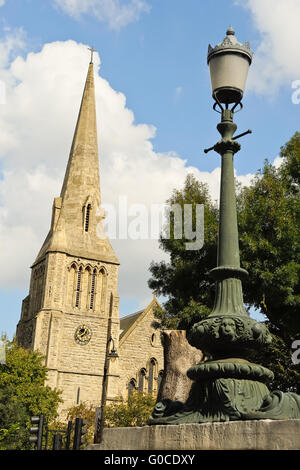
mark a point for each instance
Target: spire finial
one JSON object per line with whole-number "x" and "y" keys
{"x": 230, "y": 31}
{"x": 92, "y": 52}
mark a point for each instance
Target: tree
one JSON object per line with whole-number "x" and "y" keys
{"x": 269, "y": 225}
{"x": 277, "y": 357}
{"x": 179, "y": 356}
{"x": 184, "y": 279}
{"x": 23, "y": 393}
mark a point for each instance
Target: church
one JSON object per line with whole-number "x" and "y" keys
{"x": 71, "y": 314}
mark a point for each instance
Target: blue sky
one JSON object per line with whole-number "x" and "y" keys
{"x": 154, "y": 82}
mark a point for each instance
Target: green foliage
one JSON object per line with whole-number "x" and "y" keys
{"x": 269, "y": 227}
{"x": 184, "y": 279}
{"x": 87, "y": 412}
{"x": 23, "y": 394}
{"x": 13, "y": 421}
{"x": 277, "y": 357}
{"x": 134, "y": 412}
{"x": 290, "y": 152}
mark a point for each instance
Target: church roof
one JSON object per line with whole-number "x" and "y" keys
{"x": 128, "y": 321}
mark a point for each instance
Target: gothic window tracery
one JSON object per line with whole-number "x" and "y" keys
{"x": 87, "y": 287}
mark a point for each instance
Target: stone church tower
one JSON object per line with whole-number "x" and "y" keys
{"x": 73, "y": 306}
{"x": 72, "y": 309}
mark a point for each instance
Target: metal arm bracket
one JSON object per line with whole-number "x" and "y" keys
{"x": 249, "y": 131}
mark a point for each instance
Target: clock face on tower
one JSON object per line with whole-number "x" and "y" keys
{"x": 83, "y": 334}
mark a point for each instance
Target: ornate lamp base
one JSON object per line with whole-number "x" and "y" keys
{"x": 228, "y": 390}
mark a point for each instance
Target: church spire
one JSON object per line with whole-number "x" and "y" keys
{"x": 75, "y": 212}
{"x": 82, "y": 174}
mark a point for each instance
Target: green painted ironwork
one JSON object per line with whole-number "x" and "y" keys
{"x": 227, "y": 386}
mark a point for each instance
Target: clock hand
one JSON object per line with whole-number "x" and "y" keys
{"x": 84, "y": 331}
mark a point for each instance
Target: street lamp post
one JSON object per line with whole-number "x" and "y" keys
{"x": 227, "y": 386}
{"x": 229, "y": 62}
{"x": 110, "y": 354}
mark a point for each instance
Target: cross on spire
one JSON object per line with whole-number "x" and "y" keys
{"x": 92, "y": 52}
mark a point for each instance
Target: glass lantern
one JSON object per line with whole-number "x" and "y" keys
{"x": 229, "y": 63}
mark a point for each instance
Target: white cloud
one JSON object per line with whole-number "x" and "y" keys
{"x": 276, "y": 56}
{"x": 114, "y": 12}
{"x": 244, "y": 180}
{"x": 25, "y": 211}
{"x": 2, "y": 2}
{"x": 10, "y": 45}
{"x": 36, "y": 128}
{"x": 178, "y": 92}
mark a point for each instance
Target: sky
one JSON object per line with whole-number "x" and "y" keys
{"x": 154, "y": 113}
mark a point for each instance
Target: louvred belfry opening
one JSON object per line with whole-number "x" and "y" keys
{"x": 87, "y": 218}
{"x": 93, "y": 289}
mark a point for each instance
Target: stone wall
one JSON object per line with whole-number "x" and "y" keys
{"x": 232, "y": 435}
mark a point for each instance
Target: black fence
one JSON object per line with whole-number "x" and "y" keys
{"x": 44, "y": 438}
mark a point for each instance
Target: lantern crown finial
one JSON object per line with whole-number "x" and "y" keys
{"x": 230, "y": 31}
{"x": 230, "y": 44}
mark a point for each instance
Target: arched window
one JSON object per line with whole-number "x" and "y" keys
{"x": 72, "y": 279}
{"x": 101, "y": 290}
{"x": 93, "y": 283}
{"x": 131, "y": 387}
{"x": 77, "y": 293}
{"x": 87, "y": 218}
{"x": 152, "y": 367}
{"x": 142, "y": 379}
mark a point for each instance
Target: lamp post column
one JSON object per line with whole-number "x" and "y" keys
{"x": 100, "y": 420}
{"x": 228, "y": 273}
{"x": 228, "y": 250}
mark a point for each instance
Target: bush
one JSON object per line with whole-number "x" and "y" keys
{"x": 87, "y": 412}
{"x": 133, "y": 412}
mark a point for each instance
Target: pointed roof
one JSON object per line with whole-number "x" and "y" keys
{"x": 81, "y": 187}
{"x": 82, "y": 172}
{"x": 129, "y": 322}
